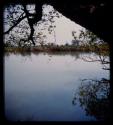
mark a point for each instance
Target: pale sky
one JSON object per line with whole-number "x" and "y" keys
{"x": 63, "y": 30}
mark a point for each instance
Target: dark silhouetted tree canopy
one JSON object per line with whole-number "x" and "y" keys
{"x": 90, "y": 14}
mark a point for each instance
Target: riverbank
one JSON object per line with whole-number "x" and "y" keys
{"x": 63, "y": 48}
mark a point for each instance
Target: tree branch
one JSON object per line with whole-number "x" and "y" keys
{"x": 30, "y": 22}
{"x": 16, "y": 23}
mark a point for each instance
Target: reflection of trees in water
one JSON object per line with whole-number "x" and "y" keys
{"x": 64, "y": 53}
{"x": 25, "y": 55}
{"x": 22, "y": 53}
{"x": 93, "y": 97}
{"x": 103, "y": 58}
{"x": 76, "y": 54}
{"x": 7, "y": 54}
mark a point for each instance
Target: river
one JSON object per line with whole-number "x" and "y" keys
{"x": 41, "y": 86}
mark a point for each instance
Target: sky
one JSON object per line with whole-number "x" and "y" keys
{"x": 64, "y": 28}
{"x": 62, "y": 31}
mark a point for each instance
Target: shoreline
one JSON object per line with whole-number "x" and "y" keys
{"x": 58, "y": 49}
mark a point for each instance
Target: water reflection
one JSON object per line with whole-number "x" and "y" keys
{"x": 103, "y": 58}
{"x": 39, "y": 86}
{"x": 76, "y": 55}
{"x": 93, "y": 97}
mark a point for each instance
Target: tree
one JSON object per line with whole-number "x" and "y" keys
{"x": 66, "y": 44}
{"x": 88, "y": 37}
{"x": 51, "y": 21}
{"x": 8, "y": 44}
{"x": 92, "y": 40}
{"x": 102, "y": 58}
{"x": 20, "y": 22}
{"x": 75, "y": 42}
{"x": 94, "y": 98}
{"x": 15, "y": 14}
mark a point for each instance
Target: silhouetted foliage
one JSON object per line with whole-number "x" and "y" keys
{"x": 20, "y": 22}
{"x": 75, "y": 43}
{"x": 88, "y": 37}
{"x": 93, "y": 97}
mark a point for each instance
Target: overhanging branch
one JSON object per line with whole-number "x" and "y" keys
{"x": 16, "y": 23}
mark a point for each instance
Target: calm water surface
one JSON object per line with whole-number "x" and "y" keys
{"x": 41, "y": 87}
